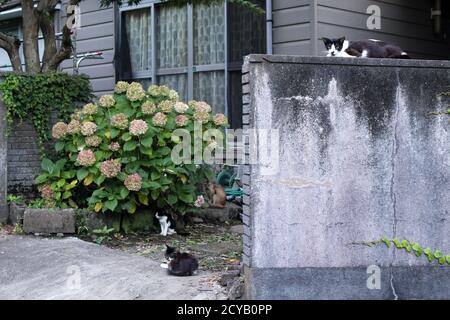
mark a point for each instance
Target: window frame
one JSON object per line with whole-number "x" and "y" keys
{"x": 190, "y": 69}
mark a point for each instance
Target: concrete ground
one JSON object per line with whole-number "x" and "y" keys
{"x": 69, "y": 268}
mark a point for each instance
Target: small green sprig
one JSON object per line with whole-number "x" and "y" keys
{"x": 414, "y": 248}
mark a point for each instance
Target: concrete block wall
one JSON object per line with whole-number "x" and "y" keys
{"x": 360, "y": 157}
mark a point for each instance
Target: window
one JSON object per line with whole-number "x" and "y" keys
{"x": 185, "y": 48}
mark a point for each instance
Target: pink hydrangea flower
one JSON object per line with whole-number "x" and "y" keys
{"x": 220, "y": 119}
{"x": 199, "y": 202}
{"x": 110, "y": 168}
{"x": 181, "y": 107}
{"x": 119, "y": 121}
{"x": 138, "y": 127}
{"x": 121, "y": 87}
{"x": 148, "y": 108}
{"x": 88, "y": 128}
{"x": 159, "y": 119}
{"x": 114, "y": 146}
{"x": 93, "y": 141}
{"x": 74, "y": 127}
{"x": 202, "y": 117}
{"x": 90, "y": 109}
{"x": 135, "y": 92}
{"x": 86, "y": 158}
{"x": 46, "y": 192}
{"x": 107, "y": 101}
{"x": 181, "y": 120}
{"x": 59, "y": 130}
{"x": 133, "y": 182}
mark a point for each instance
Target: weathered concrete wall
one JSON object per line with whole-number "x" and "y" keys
{"x": 360, "y": 157}
{"x": 3, "y": 166}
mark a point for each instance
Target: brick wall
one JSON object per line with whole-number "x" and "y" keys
{"x": 23, "y": 158}
{"x": 246, "y": 215}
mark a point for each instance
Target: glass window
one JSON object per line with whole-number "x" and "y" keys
{"x": 178, "y": 82}
{"x": 210, "y": 87}
{"x": 209, "y": 34}
{"x": 139, "y": 38}
{"x": 172, "y": 37}
{"x": 191, "y": 44}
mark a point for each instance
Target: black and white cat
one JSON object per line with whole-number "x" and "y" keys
{"x": 166, "y": 222}
{"x": 365, "y": 49}
{"x": 179, "y": 264}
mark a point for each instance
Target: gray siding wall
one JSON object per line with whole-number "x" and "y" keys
{"x": 299, "y": 24}
{"x": 97, "y": 33}
{"x": 293, "y": 27}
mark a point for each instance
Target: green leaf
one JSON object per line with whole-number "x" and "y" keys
{"x": 187, "y": 198}
{"x": 172, "y": 199}
{"x": 155, "y": 175}
{"x": 114, "y": 132}
{"x": 154, "y": 194}
{"x": 67, "y": 195}
{"x": 386, "y": 241}
{"x": 129, "y": 146}
{"x": 99, "y": 179}
{"x": 59, "y": 146}
{"x": 124, "y": 192}
{"x": 447, "y": 258}
{"x": 126, "y": 136}
{"x": 152, "y": 185}
{"x": 397, "y": 243}
{"x": 437, "y": 254}
{"x": 42, "y": 178}
{"x": 441, "y": 260}
{"x": 47, "y": 165}
{"x": 82, "y": 173}
{"x": 147, "y": 142}
{"x": 111, "y": 204}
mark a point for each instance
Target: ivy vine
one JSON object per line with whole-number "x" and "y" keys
{"x": 38, "y": 97}
{"x": 413, "y": 248}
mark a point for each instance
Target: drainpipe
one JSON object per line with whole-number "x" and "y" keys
{"x": 436, "y": 16}
{"x": 269, "y": 23}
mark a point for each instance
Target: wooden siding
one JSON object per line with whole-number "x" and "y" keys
{"x": 97, "y": 33}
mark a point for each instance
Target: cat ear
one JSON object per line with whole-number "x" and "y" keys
{"x": 341, "y": 40}
{"x": 326, "y": 41}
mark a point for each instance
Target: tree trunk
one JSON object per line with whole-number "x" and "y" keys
{"x": 11, "y": 45}
{"x": 30, "y": 25}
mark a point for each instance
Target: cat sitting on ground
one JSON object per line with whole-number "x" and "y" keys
{"x": 166, "y": 222}
{"x": 364, "y": 49}
{"x": 179, "y": 264}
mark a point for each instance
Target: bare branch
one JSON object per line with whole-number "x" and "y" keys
{"x": 48, "y": 32}
{"x": 11, "y": 45}
{"x": 63, "y": 53}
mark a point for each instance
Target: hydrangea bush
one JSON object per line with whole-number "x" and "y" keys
{"x": 116, "y": 153}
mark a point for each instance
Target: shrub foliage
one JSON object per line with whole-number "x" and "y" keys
{"x": 116, "y": 153}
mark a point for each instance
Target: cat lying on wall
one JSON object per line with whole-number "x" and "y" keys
{"x": 363, "y": 49}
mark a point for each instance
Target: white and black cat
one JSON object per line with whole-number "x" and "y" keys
{"x": 365, "y": 49}
{"x": 166, "y": 222}
{"x": 179, "y": 264}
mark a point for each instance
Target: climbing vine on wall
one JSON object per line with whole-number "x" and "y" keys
{"x": 413, "y": 248}
{"x": 38, "y": 97}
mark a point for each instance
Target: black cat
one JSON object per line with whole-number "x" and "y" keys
{"x": 180, "y": 264}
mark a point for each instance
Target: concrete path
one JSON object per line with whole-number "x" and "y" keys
{"x": 69, "y": 268}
